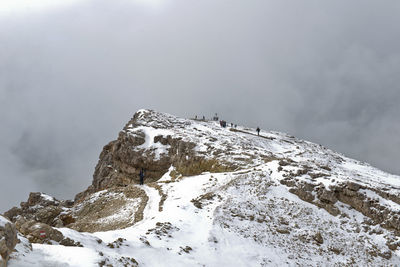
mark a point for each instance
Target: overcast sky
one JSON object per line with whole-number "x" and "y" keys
{"x": 73, "y": 73}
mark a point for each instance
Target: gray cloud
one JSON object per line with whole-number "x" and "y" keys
{"x": 71, "y": 77}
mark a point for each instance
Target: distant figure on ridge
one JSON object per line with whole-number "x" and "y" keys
{"x": 141, "y": 175}
{"x": 258, "y": 130}
{"x": 215, "y": 118}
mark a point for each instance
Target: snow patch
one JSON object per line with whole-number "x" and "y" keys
{"x": 3, "y": 221}
{"x": 47, "y": 197}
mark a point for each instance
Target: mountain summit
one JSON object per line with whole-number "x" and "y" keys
{"x": 214, "y": 196}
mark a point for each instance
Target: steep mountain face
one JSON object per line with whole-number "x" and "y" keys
{"x": 215, "y": 196}
{"x": 156, "y": 142}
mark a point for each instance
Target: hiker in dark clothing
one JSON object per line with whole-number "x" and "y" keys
{"x": 258, "y": 130}
{"x": 141, "y": 175}
{"x": 215, "y": 118}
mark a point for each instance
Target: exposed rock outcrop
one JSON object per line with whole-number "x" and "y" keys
{"x": 37, "y": 217}
{"x": 112, "y": 209}
{"x": 8, "y": 239}
{"x": 37, "y": 232}
{"x": 41, "y": 208}
{"x": 351, "y": 193}
{"x": 121, "y": 160}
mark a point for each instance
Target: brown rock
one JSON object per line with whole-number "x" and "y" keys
{"x": 92, "y": 214}
{"x": 327, "y": 196}
{"x": 13, "y": 213}
{"x": 37, "y": 232}
{"x": 303, "y": 195}
{"x": 353, "y": 186}
{"x": 332, "y": 209}
{"x": 349, "y": 192}
{"x": 8, "y": 239}
{"x": 318, "y": 238}
{"x": 288, "y": 182}
{"x": 67, "y": 219}
{"x": 283, "y": 230}
{"x": 48, "y": 214}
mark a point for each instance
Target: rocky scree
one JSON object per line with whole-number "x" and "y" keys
{"x": 350, "y": 193}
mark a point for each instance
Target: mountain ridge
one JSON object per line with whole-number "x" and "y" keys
{"x": 289, "y": 200}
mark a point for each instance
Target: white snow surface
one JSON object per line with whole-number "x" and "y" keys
{"x": 240, "y": 218}
{"x": 149, "y": 144}
{"x": 3, "y": 221}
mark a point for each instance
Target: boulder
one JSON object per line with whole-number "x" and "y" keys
{"x": 8, "y": 239}
{"x": 37, "y": 232}
{"x": 48, "y": 214}
{"x": 39, "y": 199}
{"x": 353, "y": 186}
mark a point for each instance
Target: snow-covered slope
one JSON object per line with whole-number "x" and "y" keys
{"x": 274, "y": 200}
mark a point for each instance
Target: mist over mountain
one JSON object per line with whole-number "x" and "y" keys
{"x": 70, "y": 74}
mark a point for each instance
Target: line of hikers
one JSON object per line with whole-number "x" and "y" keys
{"x": 223, "y": 123}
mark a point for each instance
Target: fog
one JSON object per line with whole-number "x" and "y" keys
{"x": 71, "y": 76}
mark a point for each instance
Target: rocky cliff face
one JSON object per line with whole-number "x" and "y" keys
{"x": 209, "y": 190}
{"x": 155, "y": 142}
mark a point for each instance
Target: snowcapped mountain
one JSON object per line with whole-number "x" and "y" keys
{"x": 215, "y": 196}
